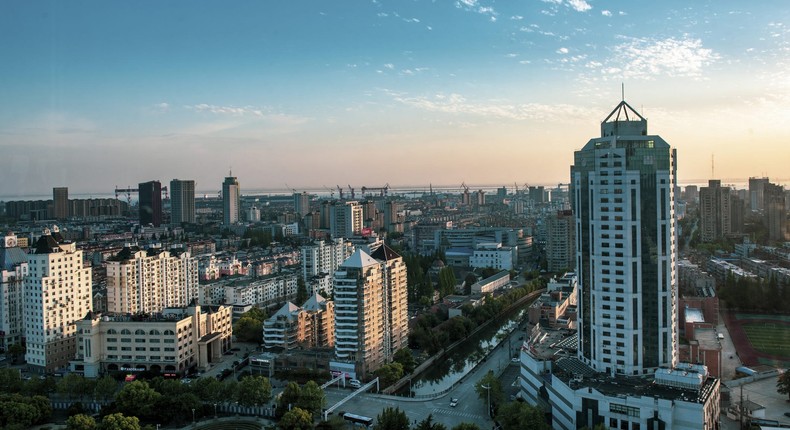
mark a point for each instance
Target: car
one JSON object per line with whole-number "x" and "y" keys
{"x": 515, "y": 359}
{"x": 355, "y": 383}
{"x": 453, "y": 402}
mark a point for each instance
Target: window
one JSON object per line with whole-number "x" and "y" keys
{"x": 126, "y": 331}
{"x": 139, "y": 332}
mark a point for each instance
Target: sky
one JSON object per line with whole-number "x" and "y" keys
{"x": 312, "y": 94}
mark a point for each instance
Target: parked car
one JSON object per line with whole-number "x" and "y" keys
{"x": 453, "y": 402}
{"x": 355, "y": 383}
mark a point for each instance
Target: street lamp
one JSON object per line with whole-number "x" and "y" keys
{"x": 409, "y": 387}
{"x": 215, "y": 409}
{"x": 193, "y": 415}
{"x": 488, "y": 394}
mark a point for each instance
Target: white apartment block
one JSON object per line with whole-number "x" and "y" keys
{"x": 174, "y": 342}
{"x": 345, "y": 219}
{"x": 150, "y": 280}
{"x": 319, "y": 262}
{"x": 371, "y": 315}
{"x": 492, "y": 255}
{"x": 57, "y": 293}
{"x": 262, "y": 292}
{"x": 13, "y": 270}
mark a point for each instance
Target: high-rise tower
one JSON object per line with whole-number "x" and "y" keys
{"x": 150, "y": 203}
{"x": 182, "y": 201}
{"x": 622, "y": 187}
{"x": 230, "y": 200}
{"x": 60, "y": 199}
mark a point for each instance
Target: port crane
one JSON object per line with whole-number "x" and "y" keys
{"x": 128, "y": 191}
{"x": 381, "y": 190}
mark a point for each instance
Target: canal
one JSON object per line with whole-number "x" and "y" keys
{"x": 460, "y": 361}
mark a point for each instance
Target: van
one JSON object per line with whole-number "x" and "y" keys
{"x": 720, "y": 336}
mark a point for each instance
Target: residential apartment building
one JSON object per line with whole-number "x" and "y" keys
{"x": 492, "y": 255}
{"x": 182, "y": 201}
{"x": 60, "y": 198}
{"x": 150, "y": 203}
{"x": 173, "y": 342}
{"x": 371, "y": 315}
{"x": 320, "y": 260}
{"x": 309, "y": 326}
{"x": 714, "y": 211}
{"x": 13, "y": 270}
{"x": 345, "y": 219}
{"x": 57, "y": 293}
{"x": 231, "y": 200}
{"x": 149, "y": 280}
{"x": 774, "y": 212}
{"x": 560, "y": 241}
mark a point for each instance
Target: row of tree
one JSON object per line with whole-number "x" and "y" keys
{"x": 755, "y": 294}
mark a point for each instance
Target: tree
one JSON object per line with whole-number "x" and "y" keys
{"x": 520, "y": 415}
{"x": 177, "y": 408}
{"x": 489, "y": 385}
{"x": 208, "y": 389}
{"x": 105, "y": 388}
{"x": 405, "y": 357}
{"x": 333, "y": 423}
{"x": 10, "y": 381}
{"x": 391, "y": 419}
{"x": 249, "y": 328}
{"x": 466, "y": 426}
{"x": 118, "y": 421}
{"x": 469, "y": 280}
{"x": 75, "y": 386}
{"x": 296, "y": 419}
{"x": 17, "y": 414}
{"x": 389, "y": 373}
{"x": 16, "y": 350}
{"x": 783, "y": 384}
{"x": 311, "y": 398}
{"x": 81, "y": 422}
{"x": 137, "y": 398}
{"x": 288, "y": 398}
{"x": 428, "y": 424}
{"x": 254, "y": 391}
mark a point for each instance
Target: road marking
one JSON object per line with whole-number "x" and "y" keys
{"x": 454, "y": 412}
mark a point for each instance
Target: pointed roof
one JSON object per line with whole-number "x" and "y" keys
{"x": 11, "y": 257}
{"x": 287, "y": 310}
{"x": 624, "y": 112}
{"x": 358, "y": 260}
{"x": 385, "y": 253}
{"x": 315, "y": 303}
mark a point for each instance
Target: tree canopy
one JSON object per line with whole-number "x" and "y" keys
{"x": 391, "y": 419}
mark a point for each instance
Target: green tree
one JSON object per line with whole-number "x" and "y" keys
{"x": 490, "y": 385}
{"x": 447, "y": 281}
{"x": 469, "y": 280}
{"x": 10, "y": 381}
{"x": 75, "y": 386}
{"x": 296, "y": 419}
{"x": 209, "y": 389}
{"x": 289, "y": 398}
{"x": 16, "y": 350}
{"x": 177, "y": 408}
{"x": 105, "y": 388}
{"x": 137, "y": 398}
{"x": 333, "y": 423}
{"x": 389, "y": 373}
{"x": 168, "y": 387}
{"x": 405, "y": 357}
{"x": 466, "y": 426}
{"x": 391, "y": 419}
{"x": 428, "y": 424}
{"x": 118, "y": 421}
{"x": 254, "y": 391}
{"x": 81, "y": 422}
{"x": 783, "y": 383}
{"x": 520, "y": 415}
{"x": 249, "y": 328}
{"x": 311, "y": 398}
{"x": 17, "y": 414}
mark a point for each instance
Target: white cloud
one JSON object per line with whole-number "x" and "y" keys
{"x": 457, "y": 104}
{"x": 162, "y": 107}
{"x": 516, "y": 17}
{"x": 579, "y": 5}
{"x": 562, "y": 51}
{"x": 475, "y": 6}
{"x": 606, "y": 13}
{"x": 647, "y": 58}
{"x": 389, "y": 66}
{"x": 226, "y": 110}
{"x": 511, "y": 55}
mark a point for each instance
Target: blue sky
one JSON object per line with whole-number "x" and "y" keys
{"x": 95, "y": 94}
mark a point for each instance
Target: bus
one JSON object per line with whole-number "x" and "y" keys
{"x": 358, "y": 419}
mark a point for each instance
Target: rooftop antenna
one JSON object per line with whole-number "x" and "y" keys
{"x": 622, "y": 91}
{"x": 712, "y": 175}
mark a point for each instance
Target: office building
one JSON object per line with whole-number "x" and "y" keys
{"x": 60, "y": 199}
{"x": 182, "y": 201}
{"x": 691, "y": 194}
{"x": 620, "y": 368}
{"x": 171, "y": 343}
{"x": 715, "y": 210}
{"x": 13, "y": 270}
{"x": 150, "y": 280}
{"x": 756, "y": 190}
{"x": 774, "y": 211}
{"x": 560, "y": 241}
{"x": 371, "y": 315}
{"x": 57, "y": 293}
{"x": 231, "y": 200}
{"x": 150, "y": 203}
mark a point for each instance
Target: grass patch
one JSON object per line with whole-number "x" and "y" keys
{"x": 769, "y": 338}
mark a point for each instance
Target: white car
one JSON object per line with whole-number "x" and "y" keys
{"x": 515, "y": 359}
{"x": 354, "y": 383}
{"x": 453, "y": 402}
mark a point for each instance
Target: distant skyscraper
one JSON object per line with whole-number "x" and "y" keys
{"x": 371, "y": 316}
{"x": 560, "y": 242}
{"x": 150, "y": 203}
{"x": 231, "y": 202}
{"x": 756, "y": 188}
{"x": 622, "y": 191}
{"x": 182, "y": 201}
{"x": 57, "y": 294}
{"x": 715, "y": 211}
{"x": 345, "y": 219}
{"x": 301, "y": 203}
{"x": 60, "y": 198}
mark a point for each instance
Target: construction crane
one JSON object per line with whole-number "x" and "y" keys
{"x": 382, "y": 190}
{"x": 340, "y": 192}
{"x": 516, "y": 185}
{"x": 129, "y": 190}
{"x": 331, "y": 192}
{"x": 350, "y": 188}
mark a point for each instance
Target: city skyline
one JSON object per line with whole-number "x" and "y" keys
{"x": 300, "y": 95}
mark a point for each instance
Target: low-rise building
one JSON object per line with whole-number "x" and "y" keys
{"x": 492, "y": 283}
{"x": 172, "y": 342}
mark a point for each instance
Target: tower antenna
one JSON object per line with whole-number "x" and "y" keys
{"x": 622, "y": 90}
{"x": 712, "y": 175}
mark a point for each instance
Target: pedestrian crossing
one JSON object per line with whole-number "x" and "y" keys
{"x": 455, "y": 413}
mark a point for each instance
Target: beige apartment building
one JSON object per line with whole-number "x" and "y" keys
{"x": 173, "y": 342}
